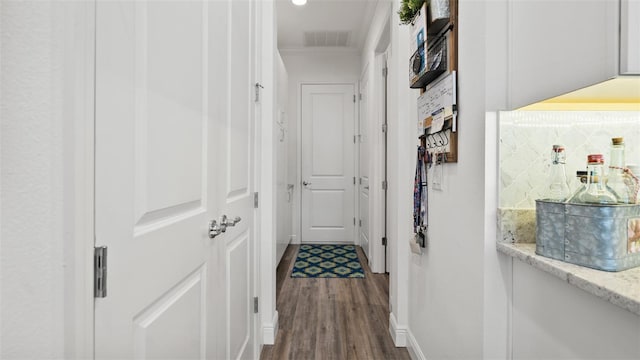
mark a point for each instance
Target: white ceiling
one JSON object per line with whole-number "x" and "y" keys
{"x": 324, "y": 18}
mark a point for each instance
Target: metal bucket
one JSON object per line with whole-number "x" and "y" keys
{"x": 604, "y": 237}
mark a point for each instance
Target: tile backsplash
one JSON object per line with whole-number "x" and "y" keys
{"x": 526, "y": 138}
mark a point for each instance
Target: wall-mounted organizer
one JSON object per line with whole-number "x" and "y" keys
{"x": 433, "y": 69}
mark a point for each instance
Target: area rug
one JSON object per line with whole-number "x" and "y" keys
{"x": 327, "y": 261}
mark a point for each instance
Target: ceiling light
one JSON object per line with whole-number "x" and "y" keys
{"x": 299, "y": 2}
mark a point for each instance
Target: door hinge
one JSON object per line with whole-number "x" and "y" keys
{"x": 354, "y": 139}
{"x": 385, "y": 71}
{"x": 354, "y": 180}
{"x": 384, "y": 185}
{"x": 384, "y": 241}
{"x": 360, "y": 181}
{"x": 354, "y": 97}
{"x": 255, "y": 305}
{"x": 100, "y": 272}
{"x": 384, "y": 128}
{"x": 360, "y": 222}
{"x": 255, "y": 200}
{"x": 354, "y": 221}
{"x": 258, "y": 87}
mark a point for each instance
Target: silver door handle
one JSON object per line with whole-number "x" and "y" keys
{"x": 216, "y": 229}
{"x": 306, "y": 183}
{"x": 226, "y": 222}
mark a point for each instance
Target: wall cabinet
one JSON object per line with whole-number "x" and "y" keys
{"x": 630, "y": 37}
{"x": 555, "y": 47}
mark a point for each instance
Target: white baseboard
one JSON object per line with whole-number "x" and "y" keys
{"x": 293, "y": 239}
{"x": 414, "y": 349}
{"x": 269, "y": 331}
{"x": 398, "y": 333}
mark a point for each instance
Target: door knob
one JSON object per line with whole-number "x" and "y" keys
{"x": 216, "y": 229}
{"x": 226, "y": 222}
{"x": 306, "y": 183}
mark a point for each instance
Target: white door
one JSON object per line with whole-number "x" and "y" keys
{"x": 174, "y": 135}
{"x": 363, "y": 183}
{"x": 328, "y": 170}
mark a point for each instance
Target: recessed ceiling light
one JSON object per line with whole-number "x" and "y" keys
{"x": 299, "y": 2}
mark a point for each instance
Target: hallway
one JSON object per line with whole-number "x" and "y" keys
{"x": 332, "y": 318}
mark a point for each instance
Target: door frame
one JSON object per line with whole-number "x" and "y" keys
{"x": 79, "y": 283}
{"x": 363, "y": 78}
{"x": 356, "y": 87}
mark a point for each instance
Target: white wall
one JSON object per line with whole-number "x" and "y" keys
{"x": 283, "y": 199}
{"x": 446, "y": 282}
{"x": 329, "y": 66}
{"x": 401, "y": 147}
{"x": 46, "y": 99}
{"x": 32, "y": 189}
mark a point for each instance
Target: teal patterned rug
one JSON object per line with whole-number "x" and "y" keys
{"x": 327, "y": 261}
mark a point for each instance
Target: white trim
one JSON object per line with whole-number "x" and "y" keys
{"x": 266, "y": 173}
{"x": 80, "y": 285}
{"x": 319, "y": 50}
{"x": 270, "y": 330}
{"x": 398, "y": 332}
{"x": 415, "y": 352}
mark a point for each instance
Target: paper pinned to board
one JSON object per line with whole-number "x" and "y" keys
{"x": 440, "y": 96}
{"x": 437, "y": 121}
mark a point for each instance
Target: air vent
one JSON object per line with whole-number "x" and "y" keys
{"x": 326, "y": 38}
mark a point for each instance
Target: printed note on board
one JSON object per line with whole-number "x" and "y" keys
{"x": 440, "y": 96}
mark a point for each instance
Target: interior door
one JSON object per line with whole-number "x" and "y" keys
{"x": 169, "y": 121}
{"x": 363, "y": 154}
{"x": 328, "y": 170}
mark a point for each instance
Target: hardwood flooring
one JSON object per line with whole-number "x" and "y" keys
{"x": 332, "y": 318}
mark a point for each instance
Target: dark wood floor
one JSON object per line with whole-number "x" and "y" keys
{"x": 332, "y": 318}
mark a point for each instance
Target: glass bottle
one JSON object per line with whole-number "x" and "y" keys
{"x": 617, "y": 177}
{"x": 558, "y": 189}
{"x": 581, "y": 175}
{"x": 597, "y": 192}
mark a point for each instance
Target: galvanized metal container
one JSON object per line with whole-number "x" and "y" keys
{"x": 604, "y": 237}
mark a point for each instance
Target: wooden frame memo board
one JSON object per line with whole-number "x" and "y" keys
{"x": 437, "y": 104}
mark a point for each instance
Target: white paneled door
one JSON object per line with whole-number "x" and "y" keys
{"x": 174, "y": 150}
{"x": 328, "y": 170}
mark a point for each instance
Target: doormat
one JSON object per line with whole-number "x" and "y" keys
{"x": 327, "y": 261}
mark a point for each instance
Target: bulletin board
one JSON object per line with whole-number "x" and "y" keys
{"x": 437, "y": 104}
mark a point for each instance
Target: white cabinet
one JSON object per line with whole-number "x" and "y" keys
{"x": 630, "y": 37}
{"x": 559, "y": 46}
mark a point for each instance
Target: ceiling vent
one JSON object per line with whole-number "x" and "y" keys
{"x": 326, "y": 38}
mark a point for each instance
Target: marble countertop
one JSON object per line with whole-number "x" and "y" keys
{"x": 619, "y": 288}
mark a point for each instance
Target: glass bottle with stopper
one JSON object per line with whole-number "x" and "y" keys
{"x": 558, "y": 189}
{"x": 617, "y": 179}
{"x": 597, "y": 191}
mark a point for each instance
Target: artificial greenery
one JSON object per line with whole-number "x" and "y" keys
{"x": 409, "y": 9}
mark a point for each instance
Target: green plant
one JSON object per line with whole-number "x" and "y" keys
{"x": 409, "y": 9}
